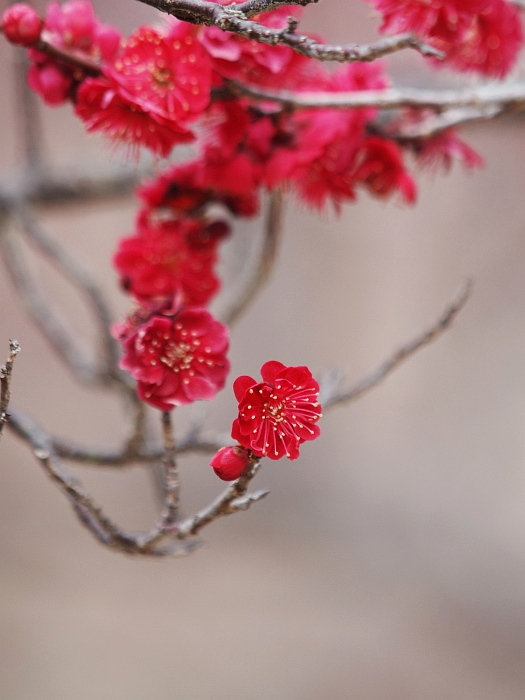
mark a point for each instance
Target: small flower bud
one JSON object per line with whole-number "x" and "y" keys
{"x": 21, "y": 24}
{"x": 230, "y": 462}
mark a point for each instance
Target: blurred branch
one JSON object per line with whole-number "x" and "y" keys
{"x": 5, "y": 382}
{"x": 83, "y": 281}
{"x": 261, "y": 267}
{"x": 40, "y": 312}
{"x": 333, "y": 391}
{"x": 47, "y": 188}
{"x": 509, "y": 97}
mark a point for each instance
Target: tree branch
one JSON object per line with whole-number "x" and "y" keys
{"x": 235, "y": 18}
{"x": 41, "y": 313}
{"x": 5, "y": 382}
{"x": 510, "y": 96}
{"x": 83, "y": 281}
{"x": 333, "y": 391}
{"x": 232, "y": 500}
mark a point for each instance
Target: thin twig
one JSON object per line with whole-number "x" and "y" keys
{"x": 232, "y": 500}
{"x": 334, "y": 393}
{"x": 260, "y": 268}
{"x": 5, "y": 382}
{"x": 96, "y": 456}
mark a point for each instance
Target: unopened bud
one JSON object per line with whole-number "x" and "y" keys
{"x": 230, "y": 462}
{"x": 21, "y": 24}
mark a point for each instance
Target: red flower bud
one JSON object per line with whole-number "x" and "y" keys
{"x": 230, "y": 462}
{"x": 21, "y": 24}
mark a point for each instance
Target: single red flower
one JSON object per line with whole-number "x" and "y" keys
{"x": 176, "y": 354}
{"x": 230, "y": 462}
{"x": 147, "y": 95}
{"x": 279, "y": 413}
{"x": 168, "y": 257}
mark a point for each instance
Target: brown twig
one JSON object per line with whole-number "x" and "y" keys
{"x": 96, "y": 456}
{"x": 333, "y": 391}
{"x": 92, "y": 516}
{"x": 5, "y": 382}
{"x": 232, "y": 500}
{"x": 236, "y": 18}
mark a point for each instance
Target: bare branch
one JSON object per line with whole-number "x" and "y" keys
{"x": 260, "y": 268}
{"x": 5, "y": 382}
{"x": 510, "y": 96}
{"x": 48, "y": 188}
{"x": 171, "y": 473}
{"x": 96, "y": 456}
{"x": 44, "y": 318}
{"x": 232, "y": 500}
{"x": 334, "y": 393}
{"x": 448, "y": 119}
{"x": 83, "y": 281}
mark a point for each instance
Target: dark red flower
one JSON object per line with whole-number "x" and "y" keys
{"x": 154, "y": 87}
{"x": 279, "y": 413}
{"x": 230, "y": 462}
{"x": 169, "y": 257}
{"x": 185, "y": 188}
{"x": 21, "y": 24}
{"x": 177, "y": 355}
{"x": 380, "y": 168}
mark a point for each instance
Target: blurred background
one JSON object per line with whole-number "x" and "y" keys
{"x": 388, "y": 563}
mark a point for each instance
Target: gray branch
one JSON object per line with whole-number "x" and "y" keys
{"x": 333, "y": 390}
{"x": 5, "y": 382}
{"x": 260, "y": 268}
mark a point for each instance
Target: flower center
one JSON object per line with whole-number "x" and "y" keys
{"x": 178, "y": 357}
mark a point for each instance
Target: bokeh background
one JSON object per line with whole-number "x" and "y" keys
{"x": 388, "y": 563}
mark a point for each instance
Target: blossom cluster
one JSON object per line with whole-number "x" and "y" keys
{"x": 482, "y": 36}
{"x": 177, "y": 84}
